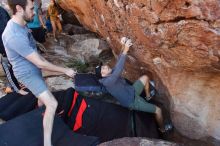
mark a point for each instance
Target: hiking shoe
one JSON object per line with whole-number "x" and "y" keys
{"x": 63, "y": 33}
{"x": 55, "y": 40}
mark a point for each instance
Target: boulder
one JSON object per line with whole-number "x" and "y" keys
{"x": 70, "y": 18}
{"x": 85, "y": 48}
{"x": 74, "y": 29}
{"x": 128, "y": 141}
{"x": 176, "y": 43}
{"x": 59, "y": 83}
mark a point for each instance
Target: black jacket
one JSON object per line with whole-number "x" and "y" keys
{"x": 4, "y": 17}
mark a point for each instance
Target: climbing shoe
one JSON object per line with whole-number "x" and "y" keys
{"x": 167, "y": 128}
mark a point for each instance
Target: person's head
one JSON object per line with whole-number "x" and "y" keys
{"x": 103, "y": 70}
{"x": 106, "y": 70}
{"x": 52, "y": 2}
{"x": 23, "y": 8}
{"x": 39, "y": 2}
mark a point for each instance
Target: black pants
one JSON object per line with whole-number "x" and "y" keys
{"x": 7, "y": 67}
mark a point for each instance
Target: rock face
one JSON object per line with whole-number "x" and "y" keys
{"x": 59, "y": 83}
{"x": 79, "y": 47}
{"x": 128, "y": 141}
{"x": 177, "y": 42}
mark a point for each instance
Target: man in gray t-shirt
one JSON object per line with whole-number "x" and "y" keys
{"x": 27, "y": 63}
{"x": 19, "y": 43}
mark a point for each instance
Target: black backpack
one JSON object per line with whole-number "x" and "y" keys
{"x": 88, "y": 82}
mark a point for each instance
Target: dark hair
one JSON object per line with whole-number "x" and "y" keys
{"x": 98, "y": 70}
{"x": 12, "y": 4}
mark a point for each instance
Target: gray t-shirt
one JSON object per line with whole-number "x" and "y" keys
{"x": 117, "y": 86}
{"x": 19, "y": 43}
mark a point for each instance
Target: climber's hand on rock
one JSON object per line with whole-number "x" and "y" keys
{"x": 123, "y": 40}
{"x": 128, "y": 44}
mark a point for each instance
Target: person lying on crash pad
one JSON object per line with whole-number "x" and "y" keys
{"x": 129, "y": 95}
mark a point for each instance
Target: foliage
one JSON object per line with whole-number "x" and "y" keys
{"x": 78, "y": 65}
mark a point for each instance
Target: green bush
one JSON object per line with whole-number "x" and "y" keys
{"x": 78, "y": 65}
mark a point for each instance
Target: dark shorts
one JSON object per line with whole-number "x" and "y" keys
{"x": 139, "y": 103}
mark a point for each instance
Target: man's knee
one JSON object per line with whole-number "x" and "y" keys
{"x": 49, "y": 100}
{"x": 158, "y": 111}
{"x": 53, "y": 103}
{"x": 144, "y": 79}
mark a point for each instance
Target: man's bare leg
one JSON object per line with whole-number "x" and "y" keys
{"x": 159, "y": 118}
{"x": 54, "y": 29}
{"x": 59, "y": 26}
{"x": 51, "y": 104}
{"x": 39, "y": 103}
{"x": 158, "y": 114}
{"x": 145, "y": 80}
